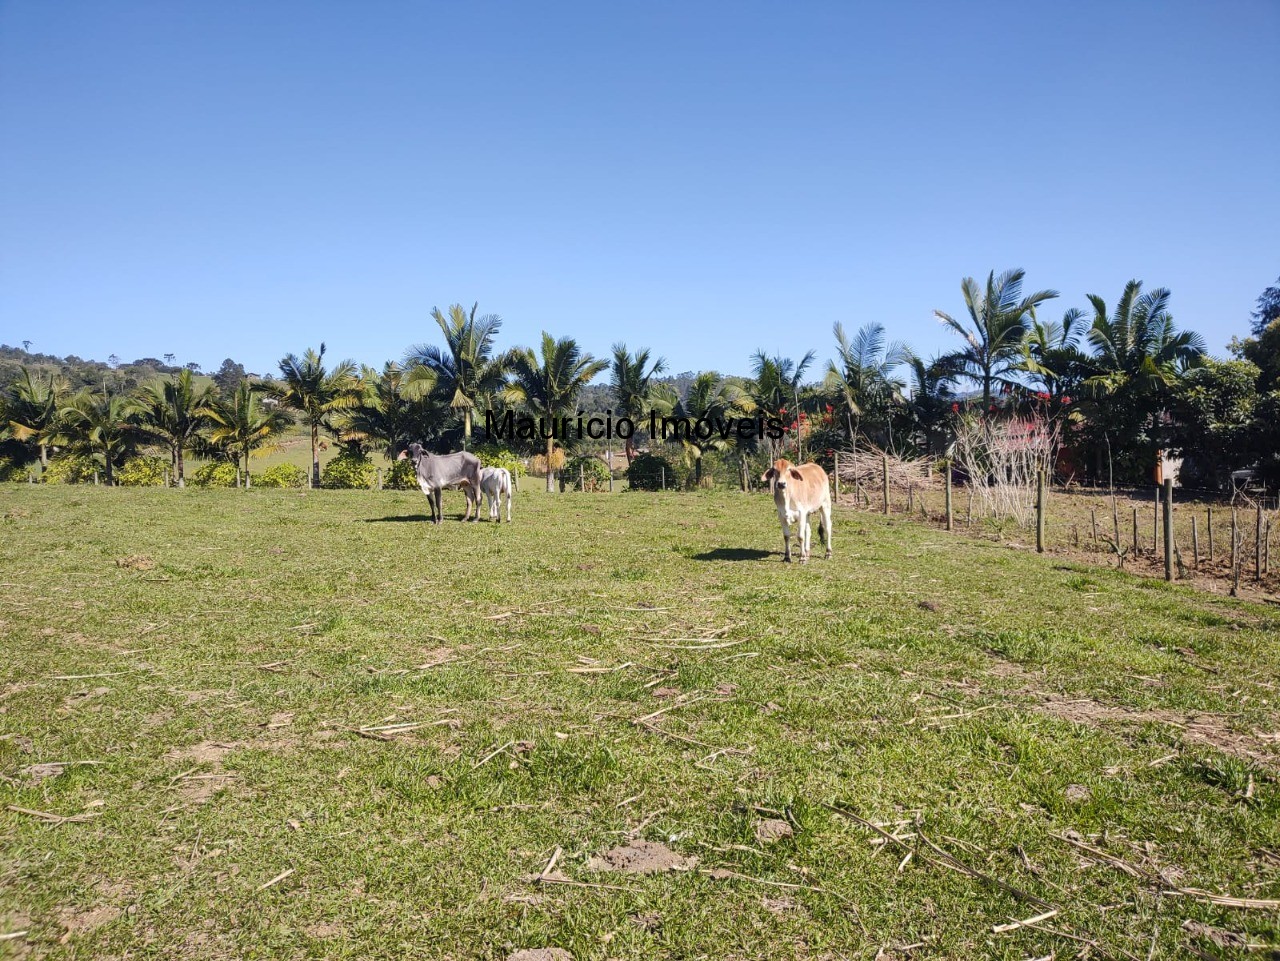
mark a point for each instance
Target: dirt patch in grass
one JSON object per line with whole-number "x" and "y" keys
{"x": 72, "y": 701}
{"x": 641, "y": 857}
{"x": 1211, "y": 730}
{"x": 541, "y": 954}
{"x": 78, "y": 921}
{"x": 136, "y": 562}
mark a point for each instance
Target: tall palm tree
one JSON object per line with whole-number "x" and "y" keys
{"x": 998, "y": 318}
{"x": 173, "y": 412}
{"x": 100, "y": 424}
{"x": 1138, "y": 355}
{"x": 31, "y": 410}
{"x": 862, "y": 375}
{"x": 1139, "y": 342}
{"x": 315, "y": 393}
{"x": 634, "y": 391}
{"x": 549, "y": 384}
{"x": 466, "y": 370}
{"x": 711, "y": 398}
{"x": 775, "y": 386}
{"x": 241, "y": 425}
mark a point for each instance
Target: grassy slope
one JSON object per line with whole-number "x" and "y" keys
{"x": 906, "y": 678}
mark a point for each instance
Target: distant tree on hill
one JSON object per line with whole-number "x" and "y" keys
{"x": 228, "y": 377}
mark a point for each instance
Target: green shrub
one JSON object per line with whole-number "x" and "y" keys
{"x": 495, "y": 455}
{"x": 11, "y": 471}
{"x": 70, "y": 469}
{"x": 214, "y": 474}
{"x": 401, "y": 477}
{"x": 646, "y": 473}
{"x": 282, "y": 475}
{"x": 589, "y": 469}
{"x": 347, "y": 473}
{"x": 142, "y": 472}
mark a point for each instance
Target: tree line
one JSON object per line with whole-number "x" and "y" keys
{"x": 1120, "y": 380}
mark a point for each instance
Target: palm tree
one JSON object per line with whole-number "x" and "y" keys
{"x": 466, "y": 369}
{"x": 1051, "y": 354}
{"x": 1139, "y": 342}
{"x": 31, "y": 410}
{"x": 930, "y": 400}
{"x": 710, "y": 399}
{"x": 862, "y": 377}
{"x": 549, "y": 385}
{"x": 241, "y": 425}
{"x": 98, "y": 423}
{"x": 316, "y": 394}
{"x": 1138, "y": 355}
{"x": 173, "y": 412}
{"x": 397, "y": 408}
{"x": 775, "y": 384}
{"x": 998, "y": 318}
{"x": 633, "y": 388}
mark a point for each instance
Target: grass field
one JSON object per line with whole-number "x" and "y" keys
{"x": 276, "y": 724}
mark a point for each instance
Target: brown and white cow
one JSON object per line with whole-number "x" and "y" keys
{"x": 799, "y": 492}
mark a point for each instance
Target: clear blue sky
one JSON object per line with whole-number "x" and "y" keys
{"x": 247, "y": 179}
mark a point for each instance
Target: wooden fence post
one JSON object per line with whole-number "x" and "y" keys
{"x": 582, "y": 478}
{"x": 1235, "y": 553}
{"x": 1040, "y": 512}
{"x": 379, "y": 478}
{"x": 1257, "y": 547}
{"x": 1195, "y": 544}
{"x": 1155, "y": 527}
{"x": 911, "y": 497}
{"x": 1168, "y": 528}
{"x": 1093, "y": 516}
{"x": 1210, "y": 525}
{"x": 884, "y": 464}
{"x": 664, "y": 477}
{"x": 950, "y": 519}
{"x": 968, "y": 515}
{"x": 837, "y": 473}
{"x": 1135, "y": 530}
{"x": 1115, "y": 520}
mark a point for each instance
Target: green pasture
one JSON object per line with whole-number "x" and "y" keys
{"x": 308, "y": 724}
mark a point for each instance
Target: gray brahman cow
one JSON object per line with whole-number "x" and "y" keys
{"x": 438, "y": 471}
{"x": 799, "y": 492}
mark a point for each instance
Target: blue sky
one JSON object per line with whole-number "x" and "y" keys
{"x": 708, "y": 178}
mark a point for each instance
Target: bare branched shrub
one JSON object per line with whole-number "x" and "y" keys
{"x": 1002, "y": 460}
{"x": 863, "y": 466}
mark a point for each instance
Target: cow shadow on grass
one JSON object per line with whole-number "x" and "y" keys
{"x": 733, "y": 554}
{"x": 402, "y": 519}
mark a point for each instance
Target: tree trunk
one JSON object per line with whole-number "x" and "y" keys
{"x": 44, "y": 457}
{"x": 630, "y": 451}
{"x": 466, "y": 427}
{"x": 551, "y": 446}
{"x": 315, "y": 457}
{"x": 246, "y": 470}
{"x": 106, "y": 459}
{"x": 182, "y": 480}
{"x": 697, "y": 471}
